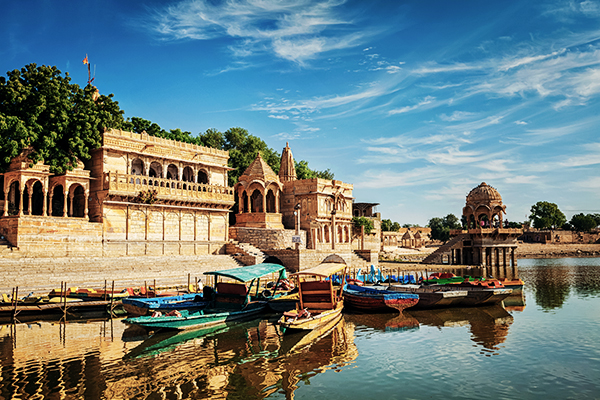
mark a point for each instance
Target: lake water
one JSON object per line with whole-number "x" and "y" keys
{"x": 545, "y": 345}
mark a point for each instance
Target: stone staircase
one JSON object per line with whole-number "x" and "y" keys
{"x": 245, "y": 253}
{"x": 40, "y": 275}
{"x": 436, "y": 256}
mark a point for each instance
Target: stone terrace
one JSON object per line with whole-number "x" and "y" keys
{"x": 40, "y": 275}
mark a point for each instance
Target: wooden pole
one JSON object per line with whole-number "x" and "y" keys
{"x": 105, "y": 290}
{"x": 15, "y": 300}
{"x": 188, "y": 286}
{"x": 111, "y": 298}
{"x": 146, "y": 288}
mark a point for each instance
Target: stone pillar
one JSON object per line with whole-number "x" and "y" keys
{"x": 512, "y": 257}
{"x": 5, "y": 208}
{"x": 65, "y": 203}
{"x": 50, "y": 203}
{"x": 333, "y": 231}
{"x": 44, "y": 205}
{"x": 264, "y": 202}
{"x": 20, "y": 202}
{"x": 71, "y": 196}
{"x": 504, "y": 257}
{"x": 85, "y": 205}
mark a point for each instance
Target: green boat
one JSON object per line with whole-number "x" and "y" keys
{"x": 232, "y": 301}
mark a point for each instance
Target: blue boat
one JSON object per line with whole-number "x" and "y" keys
{"x": 370, "y": 298}
{"x": 138, "y": 306}
{"x": 232, "y": 301}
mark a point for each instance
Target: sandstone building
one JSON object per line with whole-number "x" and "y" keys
{"x": 138, "y": 195}
{"x": 485, "y": 242}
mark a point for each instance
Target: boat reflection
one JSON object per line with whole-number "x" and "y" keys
{"x": 387, "y": 322}
{"x": 489, "y": 325}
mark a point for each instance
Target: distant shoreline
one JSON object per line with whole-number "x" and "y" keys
{"x": 557, "y": 250}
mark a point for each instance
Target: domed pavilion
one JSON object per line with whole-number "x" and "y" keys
{"x": 483, "y": 241}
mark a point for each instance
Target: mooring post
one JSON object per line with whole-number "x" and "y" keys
{"x": 16, "y": 300}
{"x": 111, "y": 298}
{"x": 105, "y": 290}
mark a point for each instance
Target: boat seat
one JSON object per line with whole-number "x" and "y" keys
{"x": 232, "y": 288}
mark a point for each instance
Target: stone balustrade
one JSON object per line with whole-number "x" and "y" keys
{"x": 166, "y": 188}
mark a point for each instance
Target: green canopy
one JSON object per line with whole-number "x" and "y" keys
{"x": 247, "y": 274}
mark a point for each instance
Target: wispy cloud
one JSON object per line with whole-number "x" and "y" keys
{"x": 296, "y": 30}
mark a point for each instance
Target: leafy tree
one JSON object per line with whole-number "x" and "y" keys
{"x": 386, "y": 225}
{"x": 545, "y": 215}
{"x": 304, "y": 172}
{"x": 512, "y": 224}
{"x": 212, "y": 138}
{"x": 59, "y": 121}
{"x": 395, "y": 227}
{"x": 440, "y": 227}
{"x": 363, "y": 221}
{"x": 583, "y": 223}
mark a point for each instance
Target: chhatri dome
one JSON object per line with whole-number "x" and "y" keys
{"x": 484, "y": 207}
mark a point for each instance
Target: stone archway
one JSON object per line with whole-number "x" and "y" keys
{"x": 37, "y": 199}
{"x": 58, "y": 201}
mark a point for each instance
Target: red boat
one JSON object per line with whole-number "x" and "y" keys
{"x": 373, "y": 299}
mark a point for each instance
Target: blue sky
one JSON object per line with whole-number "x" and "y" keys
{"x": 414, "y": 102}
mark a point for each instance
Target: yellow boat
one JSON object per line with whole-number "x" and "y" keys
{"x": 320, "y": 301}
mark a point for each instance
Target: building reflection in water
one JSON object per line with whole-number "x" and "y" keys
{"x": 489, "y": 326}
{"x": 77, "y": 360}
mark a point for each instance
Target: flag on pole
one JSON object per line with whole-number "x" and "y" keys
{"x": 85, "y": 60}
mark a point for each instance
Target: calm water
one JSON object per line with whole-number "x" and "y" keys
{"x": 546, "y": 345}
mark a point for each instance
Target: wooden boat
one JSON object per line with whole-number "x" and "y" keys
{"x": 138, "y": 306}
{"x": 515, "y": 284}
{"x": 284, "y": 302}
{"x": 478, "y": 295}
{"x": 373, "y": 298}
{"x": 231, "y": 302}
{"x": 320, "y": 301}
{"x": 432, "y": 296}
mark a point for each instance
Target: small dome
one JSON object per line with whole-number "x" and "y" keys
{"x": 483, "y": 192}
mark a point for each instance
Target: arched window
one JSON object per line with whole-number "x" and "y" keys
{"x": 172, "y": 172}
{"x": 270, "y": 201}
{"x": 155, "y": 170}
{"x": 37, "y": 200}
{"x": 245, "y": 202}
{"x": 202, "y": 177}
{"x": 256, "y": 201}
{"x": 14, "y": 198}
{"x": 58, "y": 201}
{"x": 137, "y": 167}
{"x": 188, "y": 174}
{"x": 78, "y": 202}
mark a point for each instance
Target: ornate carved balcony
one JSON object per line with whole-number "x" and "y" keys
{"x": 167, "y": 189}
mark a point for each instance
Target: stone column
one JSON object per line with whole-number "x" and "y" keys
{"x": 85, "y": 205}
{"x": 71, "y": 196}
{"x": 333, "y": 232}
{"x": 65, "y": 203}
{"x": 504, "y": 257}
{"x": 44, "y": 205}
{"x": 50, "y": 197}
{"x": 5, "y": 208}
{"x": 20, "y": 202}
{"x": 264, "y": 202}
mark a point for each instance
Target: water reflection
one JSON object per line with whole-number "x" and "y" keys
{"x": 489, "y": 326}
{"x": 552, "y": 280}
{"x": 251, "y": 360}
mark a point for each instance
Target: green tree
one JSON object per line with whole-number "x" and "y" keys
{"x": 304, "y": 172}
{"x": 386, "y": 225}
{"x": 395, "y": 227}
{"x": 440, "y": 227}
{"x": 59, "y": 121}
{"x": 212, "y": 138}
{"x": 545, "y": 215}
{"x": 363, "y": 221}
{"x": 512, "y": 224}
{"x": 583, "y": 223}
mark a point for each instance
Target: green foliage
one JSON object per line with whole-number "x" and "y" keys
{"x": 511, "y": 224}
{"x": 440, "y": 227}
{"x": 61, "y": 122}
{"x": 388, "y": 226}
{"x": 363, "y": 221}
{"x": 147, "y": 196}
{"x": 584, "y": 223}
{"x": 546, "y": 215}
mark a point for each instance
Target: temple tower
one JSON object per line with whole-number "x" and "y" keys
{"x": 287, "y": 171}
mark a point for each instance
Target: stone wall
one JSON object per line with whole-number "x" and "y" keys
{"x": 537, "y": 250}
{"x": 267, "y": 239}
{"x": 53, "y": 236}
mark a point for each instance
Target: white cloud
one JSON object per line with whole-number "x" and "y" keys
{"x": 456, "y": 116}
{"x": 427, "y": 100}
{"x": 295, "y": 30}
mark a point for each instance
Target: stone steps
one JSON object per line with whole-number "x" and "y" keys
{"x": 45, "y": 274}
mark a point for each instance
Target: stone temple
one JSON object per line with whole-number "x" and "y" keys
{"x": 141, "y": 195}
{"x": 485, "y": 241}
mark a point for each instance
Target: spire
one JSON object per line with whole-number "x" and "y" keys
{"x": 287, "y": 171}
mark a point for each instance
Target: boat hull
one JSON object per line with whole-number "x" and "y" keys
{"x": 313, "y": 322}
{"x": 199, "y": 319}
{"x": 369, "y": 299}
{"x": 144, "y": 306}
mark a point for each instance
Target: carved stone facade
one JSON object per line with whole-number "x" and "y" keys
{"x": 140, "y": 195}
{"x": 320, "y": 207}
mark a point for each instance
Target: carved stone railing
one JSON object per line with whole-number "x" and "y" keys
{"x": 166, "y": 188}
